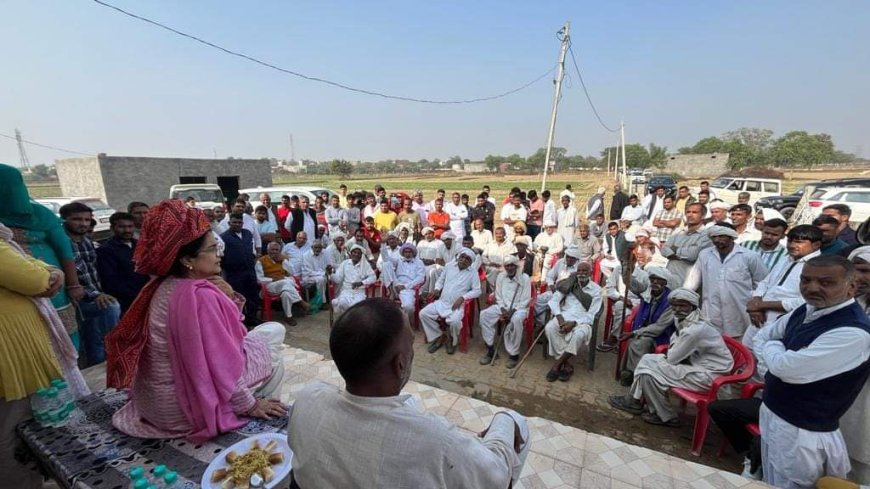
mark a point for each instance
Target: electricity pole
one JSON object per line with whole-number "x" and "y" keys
{"x": 622, "y": 138}
{"x": 557, "y": 94}
{"x": 22, "y": 153}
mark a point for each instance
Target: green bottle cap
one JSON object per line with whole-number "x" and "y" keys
{"x": 170, "y": 477}
{"x": 159, "y": 470}
{"x": 140, "y": 484}
{"x": 137, "y": 473}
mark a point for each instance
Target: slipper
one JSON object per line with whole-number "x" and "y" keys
{"x": 434, "y": 346}
{"x": 552, "y": 375}
{"x": 619, "y": 402}
{"x": 605, "y": 347}
{"x": 653, "y": 418}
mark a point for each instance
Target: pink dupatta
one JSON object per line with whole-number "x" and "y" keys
{"x": 206, "y": 337}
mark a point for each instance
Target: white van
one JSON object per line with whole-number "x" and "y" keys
{"x": 207, "y": 195}
{"x": 727, "y": 188}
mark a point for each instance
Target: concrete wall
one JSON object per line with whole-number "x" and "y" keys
{"x": 123, "y": 179}
{"x": 80, "y": 177}
{"x": 698, "y": 165}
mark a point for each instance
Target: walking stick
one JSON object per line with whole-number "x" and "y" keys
{"x": 500, "y": 323}
{"x": 629, "y": 270}
{"x": 529, "y": 352}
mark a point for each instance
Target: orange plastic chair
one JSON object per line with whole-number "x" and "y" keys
{"x": 743, "y": 369}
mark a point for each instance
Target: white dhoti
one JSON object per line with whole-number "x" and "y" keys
{"x": 654, "y": 376}
{"x": 408, "y": 298}
{"x": 273, "y": 333}
{"x": 429, "y": 319}
{"x": 570, "y": 343}
{"x": 432, "y": 274}
{"x": 346, "y": 299}
{"x": 794, "y": 458}
{"x": 541, "y": 307}
{"x": 513, "y": 331}
{"x": 286, "y": 289}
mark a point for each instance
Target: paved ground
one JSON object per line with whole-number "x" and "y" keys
{"x": 581, "y": 402}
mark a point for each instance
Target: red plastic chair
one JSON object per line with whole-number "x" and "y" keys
{"x": 596, "y": 271}
{"x": 268, "y": 298}
{"x": 467, "y": 324}
{"x": 749, "y": 389}
{"x": 387, "y": 292}
{"x": 743, "y": 369}
{"x": 623, "y": 345}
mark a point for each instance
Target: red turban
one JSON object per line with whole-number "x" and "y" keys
{"x": 167, "y": 227}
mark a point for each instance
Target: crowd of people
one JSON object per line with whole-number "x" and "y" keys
{"x": 176, "y": 295}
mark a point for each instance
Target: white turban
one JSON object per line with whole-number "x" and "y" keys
{"x": 392, "y": 234}
{"x": 772, "y": 214}
{"x": 721, "y": 231}
{"x": 720, "y": 205}
{"x": 661, "y": 273}
{"x": 511, "y": 260}
{"x": 467, "y": 252}
{"x": 683, "y": 294}
{"x": 642, "y": 232}
{"x": 448, "y": 235}
{"x": 862, "y": 252}
{"x": 526, "y": 240}
{"x": 601, "y": 190}
{"x": 427, "y": 229}
{"x": 573, "y": 252}
{"x": 549, "y": 223}
{"x": 358, "y": 247}
{"x": 338, "y": 234}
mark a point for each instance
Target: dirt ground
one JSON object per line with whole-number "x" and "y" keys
{"x": 580, "y": 402}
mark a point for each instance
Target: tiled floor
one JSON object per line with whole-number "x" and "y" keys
{"x": 560, "y": 457}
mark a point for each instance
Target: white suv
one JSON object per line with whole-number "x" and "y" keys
{"x": 858, "y": 199}
{"x": 728, "y": 188}
{"x": 102, "y": 211}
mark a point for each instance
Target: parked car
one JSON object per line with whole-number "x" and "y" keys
{"x": 207, "y": 195}
{"x": 275, "y": 193}
{"x": 666, "y": 181}
{"x": 728, "y": 188}
{"x": 786, "y": 204}
{"x": 101, "y": 210}
{"x": 857, "y": 198}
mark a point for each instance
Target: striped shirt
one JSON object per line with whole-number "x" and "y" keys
{"x": 769, "y": 257}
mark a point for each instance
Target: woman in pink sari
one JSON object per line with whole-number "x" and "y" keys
{"x": 192, "y": 369}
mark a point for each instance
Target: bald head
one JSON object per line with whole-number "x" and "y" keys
{"x": 372, "y": 347}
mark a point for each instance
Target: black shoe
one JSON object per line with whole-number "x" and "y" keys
{"x": 619, "y": 402}
{"x": 512, "y": 362}
{"x": 434, "y": 346}
{"x": 487, "y": 359}
{"x": 552, "y": 375}
{"x": 626, "y": 377}
{"x": 450, "y": 348}
{"x": 653, "y": 418}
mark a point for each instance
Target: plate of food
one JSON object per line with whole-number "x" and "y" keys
{"x": 266, "y": 456}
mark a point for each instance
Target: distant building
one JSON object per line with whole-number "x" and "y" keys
{"x": 697, "y": 165}
{"x": 118, "y": 180}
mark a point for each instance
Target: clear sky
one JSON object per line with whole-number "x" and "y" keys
{"x": 80, "y": 76}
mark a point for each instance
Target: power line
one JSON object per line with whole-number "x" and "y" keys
{"x": 318, "y": 79}
{"x": 55, "y": 148}
{"x": 588, "y": 98}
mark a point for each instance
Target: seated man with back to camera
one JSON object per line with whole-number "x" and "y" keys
{"x": 373, "y": 349}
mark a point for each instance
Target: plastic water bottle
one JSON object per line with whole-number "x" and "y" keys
{"x": 38, "y": 406}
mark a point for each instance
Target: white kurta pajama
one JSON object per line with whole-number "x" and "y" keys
{"x": 505, "y": 290}
{"x": 518, "y": 214}
{"x": 407, "y": 273}
{"x": 340, "y": 440}
{"x": 453, "y": 284}
{"x": 566, "y": 222}
{"x": 559, "y": 272}
{"x": 345, "y": 276}
{"x": 294, "y": 254}
{"x": 314, "y": 271}
{"x": 553, "y": 243}
{"x": 572, "y": 309}
{"x": 697, "y": 354}
{"x": 793, "y": 457}
{"x": 726, "y": 287}
{"x": 458, "y": 214}
{"x": 334, "y": 256}
{"x": 493, "y": 258}
{"x": 432, "y": 250}
{"x": 284, "y": 288}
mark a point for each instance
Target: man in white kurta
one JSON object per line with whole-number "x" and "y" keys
{"x": 334, "y": 214}
{"x": 512, "y": 213}
{"x": 567, "y": 221}
{"x": 513, "y": 293}
{"x": 564, "y": 268}
{"x": 726, "y": 274}
{"x": 314, "y": 269}
{"x": 404, "y": 275}
{"x": 697, "y": 354}
{"x": 818, "y": 361}
{"x": 481, "y": 235}
{"x": 352, "y": 277}
{"x": 442, "y": 318}
{"x": 336, "y": 253}
{"x": 433, "y": 254}
{"x": 452, "y": 246}
{"x": 458, "y": 213}
{"x": 495, "y": 253}
{"x": 279, "y": 280}
{"x": 360, "y": 240}
{"x": 295, "y": 252}
{"x": 369, "y": 435}
{"x": 574, "y": 305}
{"x": 855, "y": 424}
{"x": 549, "y": 245}
{"x": 390, "y": 251}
